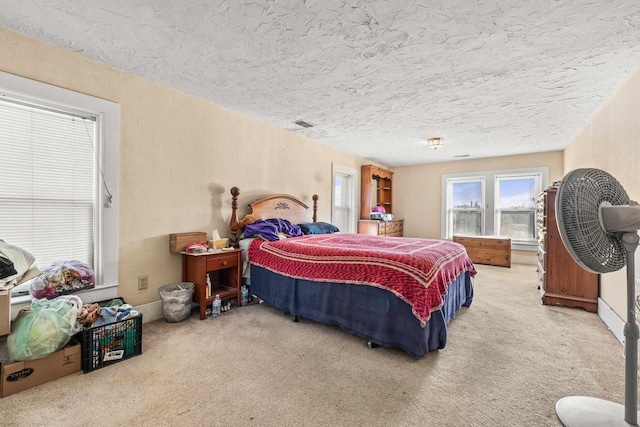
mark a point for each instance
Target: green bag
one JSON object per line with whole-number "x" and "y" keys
{"x": 43, "y": 328}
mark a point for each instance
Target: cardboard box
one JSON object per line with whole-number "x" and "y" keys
{"x": 5, "y": 312}
{"x": 20, "y": 376}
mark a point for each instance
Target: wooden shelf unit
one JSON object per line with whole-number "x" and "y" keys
{"x": 560, "y": 279}
{"x": 376, "y": 189}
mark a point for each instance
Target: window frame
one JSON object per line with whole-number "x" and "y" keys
{"x": 450, "y": 209}
{"x": 490, "y": 225}
{"x": 107, "y": 114}
{"x": 497, "y": 217}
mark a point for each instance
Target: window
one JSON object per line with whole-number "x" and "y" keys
{"x": 465, "y": 210}
{"x": 47, "y": 171}
{"x": 493, "y": 203}
{"x": 59, "y": 176}
{"x": 516, "y": 205}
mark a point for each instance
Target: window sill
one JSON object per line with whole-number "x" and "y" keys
{"x": 524, "y": 246}
{"x": 100, "y": 293}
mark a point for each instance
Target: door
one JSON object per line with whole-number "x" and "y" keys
{"x": 343, "y": 196}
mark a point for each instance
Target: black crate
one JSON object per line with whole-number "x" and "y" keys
{"x": 107, "y": 344}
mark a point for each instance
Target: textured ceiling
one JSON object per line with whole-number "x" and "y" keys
{"x": 377, "y": 78}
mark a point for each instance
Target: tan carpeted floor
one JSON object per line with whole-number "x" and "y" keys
{"x": 507, "y": 361}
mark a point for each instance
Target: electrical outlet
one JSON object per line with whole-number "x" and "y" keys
{"x": 143, "y": 282}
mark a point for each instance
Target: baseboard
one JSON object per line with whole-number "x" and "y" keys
{"x": 523, "y": 259}
{"x": 151, "y": 311}
{"x": 611, "y": 319}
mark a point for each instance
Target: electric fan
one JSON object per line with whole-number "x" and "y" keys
{"x": 597, "y": 224}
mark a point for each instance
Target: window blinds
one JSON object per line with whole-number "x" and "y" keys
{"x": 47, "y": 182}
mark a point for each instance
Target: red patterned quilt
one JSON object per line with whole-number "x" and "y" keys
{"x": 416, "y": 270}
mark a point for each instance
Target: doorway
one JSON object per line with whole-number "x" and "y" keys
{"x": 343, "y": 198}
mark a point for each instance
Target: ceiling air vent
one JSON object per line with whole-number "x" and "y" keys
{"x": 461, "y": 155}
{"x": 304, "y": 124}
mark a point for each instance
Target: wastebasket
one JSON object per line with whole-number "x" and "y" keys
{"x": 176, "y": 301}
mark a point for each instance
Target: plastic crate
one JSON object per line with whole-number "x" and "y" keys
{"x": 107, "y": 344}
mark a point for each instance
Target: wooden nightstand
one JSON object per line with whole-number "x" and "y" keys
{"x": 223, "y": 268}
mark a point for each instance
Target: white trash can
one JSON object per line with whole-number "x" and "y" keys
{"x": 176, "y": 301}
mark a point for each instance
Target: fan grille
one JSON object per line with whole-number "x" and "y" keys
{"x": 580, "y": 195}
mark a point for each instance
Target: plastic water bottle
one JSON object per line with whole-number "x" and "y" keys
{"x": 245, "y": 295}
{"x": 215, "y": 309}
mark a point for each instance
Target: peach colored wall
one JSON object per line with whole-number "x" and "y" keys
{"x": 611, "y": 142}
{"x": 179, "y": 157}
{"x": 417, "y": 190}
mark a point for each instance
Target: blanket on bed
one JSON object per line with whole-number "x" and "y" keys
{"x": 416, "y": 270}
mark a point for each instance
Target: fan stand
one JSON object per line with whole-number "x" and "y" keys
{"x": 581, "y": 411}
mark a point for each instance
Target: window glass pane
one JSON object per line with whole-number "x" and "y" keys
{"x": 467, "y": 222}
{"x": 47, "y": 171}
{"x": 519, "y": 225}
{"x": 467, "y": 194}
{"x": 517, "y": 193}
{"x": 338, "y": 189}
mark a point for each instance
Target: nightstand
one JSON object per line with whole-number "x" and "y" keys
{"x": 223, "y": 268}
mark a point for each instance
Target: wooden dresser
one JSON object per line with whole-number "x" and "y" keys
{"x": 393, "y": 228}
{"x": 560, "y": 279}
{"x": 490, "y": 250}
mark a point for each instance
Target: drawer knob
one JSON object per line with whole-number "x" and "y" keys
{"x": 224, "y": 263}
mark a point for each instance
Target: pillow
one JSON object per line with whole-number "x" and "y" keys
{"x": 318, "y": 228}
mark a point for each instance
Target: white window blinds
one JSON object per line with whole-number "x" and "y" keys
{"x": 47, "y": 182}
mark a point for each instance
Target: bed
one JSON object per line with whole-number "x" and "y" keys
{"x": 390, "y": 291}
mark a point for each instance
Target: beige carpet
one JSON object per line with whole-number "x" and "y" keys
{"x": 507, "y": 361}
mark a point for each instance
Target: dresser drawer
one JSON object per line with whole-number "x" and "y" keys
{"x": 392, "y": 227}
{"x": 219, "y": 263}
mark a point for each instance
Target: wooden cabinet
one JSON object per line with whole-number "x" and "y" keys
{"x": 393, "y": 228}
{"x": 560, "y": 279}
{"x": 376, "y": 190}
{"x": 223, "y": 269}
{"x": 488, "y": 250}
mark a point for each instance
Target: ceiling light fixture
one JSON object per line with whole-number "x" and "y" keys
{"x": 435, "y": 142}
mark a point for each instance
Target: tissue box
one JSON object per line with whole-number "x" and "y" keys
{"x": 218, "y": 244}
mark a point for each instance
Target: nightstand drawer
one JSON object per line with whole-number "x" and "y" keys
{"x": 219, "y": 263}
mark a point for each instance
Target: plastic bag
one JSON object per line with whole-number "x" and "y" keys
{"x": 45, "y": 327}
{"x": 62, "y": 278}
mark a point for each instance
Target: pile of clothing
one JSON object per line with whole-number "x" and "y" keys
{"x": 53, "y": 316}
{"x": 113, "y": 311}
{"x": 62, "y": 278}
{"x": 16, "y": 265}
{"x": 48, "y": 325}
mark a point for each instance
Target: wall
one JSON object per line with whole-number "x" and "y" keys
{"x": 611, "y": 142}
{"x": 417, "y": 190}
{"x": 179, "y": 157}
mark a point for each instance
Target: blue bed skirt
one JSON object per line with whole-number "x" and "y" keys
{"x": 368, "y": 312}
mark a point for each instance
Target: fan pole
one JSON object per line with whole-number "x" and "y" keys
{"x": 630, "y": 242}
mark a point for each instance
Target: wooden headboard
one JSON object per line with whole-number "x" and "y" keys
{"x": 281, "y": 206}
